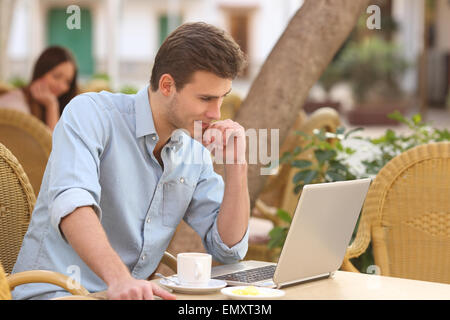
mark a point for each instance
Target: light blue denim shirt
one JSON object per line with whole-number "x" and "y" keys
{"x": 102, "y": 156}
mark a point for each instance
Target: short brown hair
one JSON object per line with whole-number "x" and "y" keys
{"x": 197, "y": 47}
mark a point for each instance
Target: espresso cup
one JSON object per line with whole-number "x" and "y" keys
{"x": 194, "y": 269}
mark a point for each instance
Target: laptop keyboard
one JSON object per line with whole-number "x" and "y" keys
{"x": 251, "y": 275}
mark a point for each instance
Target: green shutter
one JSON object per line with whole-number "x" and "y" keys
{"x": 78, "y": 41}
{"x": 164, "y": 27}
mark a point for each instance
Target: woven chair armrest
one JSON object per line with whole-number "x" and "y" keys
{"x": 170, "y": 261}
{"x": 348, "y": 266}
{"x": 76, "y": 297}
{"x": 45, "y": 276}
{"x": 361, "y": 241}
{"x": 267, "y": 212}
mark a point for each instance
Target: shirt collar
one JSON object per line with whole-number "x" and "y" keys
{"x": 144, "y": 120}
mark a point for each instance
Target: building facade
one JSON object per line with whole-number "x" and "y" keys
{"x": 121, "y": 37}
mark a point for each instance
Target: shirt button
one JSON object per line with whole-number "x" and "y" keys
{"x": 143, "y": 257}
{"x": 148, "y": 220}
{"x": 182, "y": 180}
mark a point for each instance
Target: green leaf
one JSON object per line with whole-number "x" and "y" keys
{"x": 353, "y": 131}
{"x": 398, "y": 117}
{"x": 320, "y": 134}
{"x": 324, "y": 155}
{"x": 277, "y": 237}
{"x": 304, "y": 175}
{"x": 299, "y": 176}
{"x": 417, "y": 119}
{"x": 310, "y": 177}
{"x": 390, "y": 135}
{"x": 340, "y": 130}
{"x": 298, "y": 188}
{"x": 297, "y": 151}
{"x": 276, "y": 232}
{"x": 349, "y": 150}
{"x": 301, "y": 163}
{"x": 335, "y": 176}
{"x": 303, "y": 134}
{"x": 336, "y": 166}
{"x": 284, "y": 215}
{"x": 285, "y": 157}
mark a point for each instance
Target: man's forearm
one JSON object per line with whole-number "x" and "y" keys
{"x": 235, "y": 209}
{"x": 86, "y": 235}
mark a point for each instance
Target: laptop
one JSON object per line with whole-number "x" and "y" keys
{"x": 315, "y": 246}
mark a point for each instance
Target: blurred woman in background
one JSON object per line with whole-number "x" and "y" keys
{"x": 52, "y": 86}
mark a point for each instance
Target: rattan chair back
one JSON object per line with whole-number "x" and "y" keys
{"x": 5, "y": 87}
{"x": 29, "y": 140}
{"x": 16, "y": 205}
{"x": 406, "y": 215}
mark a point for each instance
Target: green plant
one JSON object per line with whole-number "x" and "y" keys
{"x": 18, "y": 82}
{"x": 371, "y": 63}
{"x": 325, "y": 164}
{"x": 278, "y": 233}
{"x": 392, "y": 144}
{"x": 128, "y": 90}
{"x": 100, "y": 76}
{"x": 332, "y": 156}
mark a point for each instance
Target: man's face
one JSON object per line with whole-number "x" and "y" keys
{"x": 200, "y": 99}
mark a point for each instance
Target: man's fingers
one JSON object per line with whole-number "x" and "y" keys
{"x": 147, "y": 292}
{"x": 135, "y": 293}
{"x": 160, "y": 292}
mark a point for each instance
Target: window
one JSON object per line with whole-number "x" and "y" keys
{"x": 239, "y": 22}
{"x": 78, "y": 41}
{"x": 165, "y": 28}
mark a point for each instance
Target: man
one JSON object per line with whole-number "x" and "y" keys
{"x": 121, "y": 176}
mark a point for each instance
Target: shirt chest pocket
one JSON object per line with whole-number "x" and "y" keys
{"x": 177, "y": 195}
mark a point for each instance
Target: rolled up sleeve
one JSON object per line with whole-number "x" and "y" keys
{"x": 67, "y": 202}
{"x": 79, "y": 140}
{"x": 202, "y": 217}
{"x": 221, "y": 251}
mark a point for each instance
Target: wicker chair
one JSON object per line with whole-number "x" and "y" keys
{"x": 5, "y": 87}
{"x": 16, "y": 204}
{"x": 278, "y": 190}
{"x": 170, "y": 261}
{"x": 406, "y": 215}
{"x": 29, "y": 140}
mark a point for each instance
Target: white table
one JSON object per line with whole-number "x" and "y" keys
{"x": 354, "y": 286}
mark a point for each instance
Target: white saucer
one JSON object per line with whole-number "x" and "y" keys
{"x": 212, "y": 286}
{"x": 263, "y": 293}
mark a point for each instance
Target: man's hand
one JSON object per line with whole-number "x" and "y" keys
{"x": 226, "y": 140}
{"x": 86, "y": 235}
{"x": 134, "y": 289}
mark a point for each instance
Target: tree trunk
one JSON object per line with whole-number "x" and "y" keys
{"x": 302, "y": 53}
